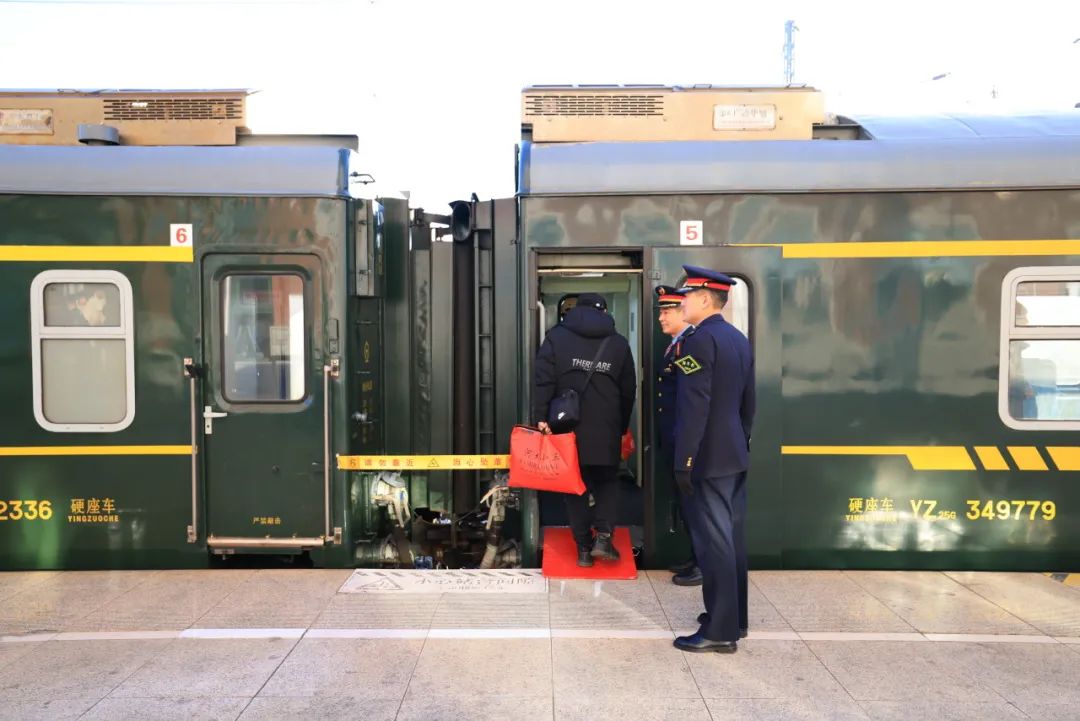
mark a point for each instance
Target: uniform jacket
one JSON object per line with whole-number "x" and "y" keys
{"x": 714, "y": 407}
{"x": 665, "y": 393}
{"x": 563, "y": 362}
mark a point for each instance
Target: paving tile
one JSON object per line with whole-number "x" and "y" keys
{"x": 76, "y": 670}
{"x": 276, "y": 598}
{"x": 11, "y": 652}
{"x": 476, "y": 708}
{"x": 356, "y": 668}
{"x": 196, "y": 667}
{"x": 764, "y": 669}
{"x": 321, "y": 708}
{"x": 826, "y": 601}
{"x": 620, "y": 668}
{"x": 682, "y": 605}
{"x": 14, "y": 582}
{"x": 1049, "y": 606}
{"x": 167, "y": 709}
{"x": 832, "y": 708}
{"x": 899, "y": 671}
{"x": 606, "y": 604}
{"x": 511, "y": 610}
{"x": 933, "y": 602}
{"x": 20, "y": 709}
{"x": 169, "y": 600}
{"x": 1050, "y": 711}
{"x": 1022, "y": 673}
{"x": 482, "y": 668}
{"x": 65, "y": 598}
{"x": 622, "y": 708}
{"x": 359, "y": 610}
{"x": 951, "y": 711}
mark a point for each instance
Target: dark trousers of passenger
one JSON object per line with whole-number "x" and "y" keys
{"x": 716, "y": 515}
{"x": 602, "y": 483}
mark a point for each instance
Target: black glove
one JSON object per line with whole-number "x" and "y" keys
{"x": 682, "y": 480}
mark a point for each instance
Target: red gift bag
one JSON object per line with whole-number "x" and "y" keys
{"x": 628, "y": 446}
{"x": 544, "y": 462}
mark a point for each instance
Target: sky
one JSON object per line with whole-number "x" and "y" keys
{"x": 432, "y": 87}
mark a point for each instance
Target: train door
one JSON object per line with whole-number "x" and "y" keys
{"x": 561, "y": 277}
{"x": 263, "y": 400}
{"x": 754, "y": 308}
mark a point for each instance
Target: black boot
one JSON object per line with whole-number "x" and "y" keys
{"x": 604, "y": 549}
{"x": 680, "y": 568}
{"x": 584, "y": 557}
{"x": 692, "y": 577}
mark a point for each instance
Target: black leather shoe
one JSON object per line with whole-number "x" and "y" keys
{"x": 703, "y": 618}
{"x": 604, "y": 549}
{"x": 699, "y": 644}
{"x": 584, "y": 558}
{"x": 681, "y": 568}
{"x": 690, "y": 578}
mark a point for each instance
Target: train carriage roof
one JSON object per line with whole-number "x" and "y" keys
{"x": 943, "y": 153}
{"x": 181, "y": 170}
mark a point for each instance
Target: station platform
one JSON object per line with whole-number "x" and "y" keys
{"x": 381, "y": 645}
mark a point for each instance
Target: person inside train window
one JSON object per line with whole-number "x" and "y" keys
{"x": 82, "y": 304}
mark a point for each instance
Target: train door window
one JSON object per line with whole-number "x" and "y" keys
{"x": 737, "y": 310}
{"x": 1039, "y": 376}
{"x": 83, "y": 350}
{"x": 263, "y": 337}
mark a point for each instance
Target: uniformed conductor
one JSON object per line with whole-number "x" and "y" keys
{"x": 567, "y": 355}
{"x": 714, "y": 413}
{"x": 673, "y": 325}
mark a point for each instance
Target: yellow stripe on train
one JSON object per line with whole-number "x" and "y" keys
{"x": 423, "y": 463}
{"x": 96, "y": 254}
{"x": 955, "y": 458}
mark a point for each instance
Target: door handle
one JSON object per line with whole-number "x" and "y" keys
{"x": 209, "y": 414}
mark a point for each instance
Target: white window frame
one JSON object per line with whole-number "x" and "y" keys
{"x": 39, "y": 332}
{"x": 1010, "y": 331}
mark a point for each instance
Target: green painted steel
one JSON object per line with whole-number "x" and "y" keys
{"x": 260, "y": 473}
{"x": 852, "y": 352}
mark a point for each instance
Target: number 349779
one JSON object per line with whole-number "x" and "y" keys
{"x": 1011, "y": 510}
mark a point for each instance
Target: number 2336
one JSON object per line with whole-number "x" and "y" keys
{"x": 25, "y": 510}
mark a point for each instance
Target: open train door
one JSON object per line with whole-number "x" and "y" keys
{"x": 754, "y": 308}
{"x": 560, "y": 277}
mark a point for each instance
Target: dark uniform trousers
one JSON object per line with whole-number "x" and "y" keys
{"x": 738, "y": 526}
{"x": 717, "y": 513}
{"x": 602, "y": 483}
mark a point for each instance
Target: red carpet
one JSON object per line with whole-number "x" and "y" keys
{"x": 560, "y": 558}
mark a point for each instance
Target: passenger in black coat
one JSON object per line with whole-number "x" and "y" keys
{"x": 563, "y": 363}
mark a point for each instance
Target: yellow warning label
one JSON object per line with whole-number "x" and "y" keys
{"x": 422, "y": 463}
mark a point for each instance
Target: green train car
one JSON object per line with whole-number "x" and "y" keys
{"x": 195, "y": 335}
{"x": 192, "y": 336}
{"x": 911, "y": 289}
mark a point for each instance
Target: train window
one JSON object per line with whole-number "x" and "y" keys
{"x": 82, "y": 351}
{"x": 1039, "y": 378}
{"x": 737, "y": 310}
{"x": 263, "y": 337}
